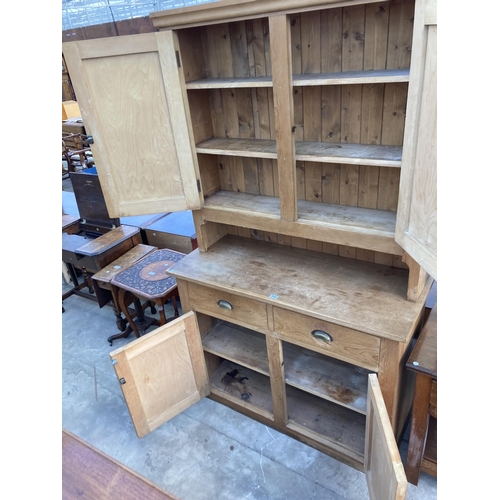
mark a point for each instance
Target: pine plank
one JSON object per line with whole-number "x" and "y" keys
{"x": 345, "y": 429}
{"x": 283, "y": 113}
{"x": 238, "y": 344}
{"x": 353, "y": 154}
{"x": 360, "y": 295}
{"x": 328, "y": 378}
{"x": 244, "y": 387}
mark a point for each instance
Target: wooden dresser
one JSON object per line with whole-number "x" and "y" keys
{"x": 301, "y": 135}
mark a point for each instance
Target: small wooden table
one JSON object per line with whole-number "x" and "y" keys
{"x": 105, "y": 292}
{"x": 146, "y": 280}
{"x": 422, "y": 445}
{"x": 88, "y": 474}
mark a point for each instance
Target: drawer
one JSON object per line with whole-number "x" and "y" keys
{"x": 330, "y": 339}
{"x": 227, "y": 306}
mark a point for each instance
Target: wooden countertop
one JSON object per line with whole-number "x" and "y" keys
{"x": 88, "y": 474}
{"x": 355, "y": 294}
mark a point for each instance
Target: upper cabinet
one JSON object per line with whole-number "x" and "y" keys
{"x": 416, "y": 228}
{"x": 313, "y": 124}
{"x": 132, "y": 104}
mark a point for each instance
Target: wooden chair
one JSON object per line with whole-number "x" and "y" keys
{"x": 76, "y": 152}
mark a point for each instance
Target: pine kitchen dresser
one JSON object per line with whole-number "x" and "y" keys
{"x": 302, "y": 135}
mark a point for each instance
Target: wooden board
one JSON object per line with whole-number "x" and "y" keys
{"x": 328, "y": 378}
{"x": 88, "y": 474}
{"x": 416, "y": 229}
{"x": 145, "y": 159}
{"x": 240, "y": 345}
{"x": 358, "y": 227}
{"x": 326, "y": 422}
{"x": 163, "y": 373}
{"x": 243, "y": 387}
{"x": 383, "y": 466}
{"x": 360, "y": 295}
{"x": 356, "y": 154}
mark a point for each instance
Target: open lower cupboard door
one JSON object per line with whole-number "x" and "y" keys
{"x": 133, "y": 105}
{"x": 384, "y": 469}
{"x": 162, "y": 373}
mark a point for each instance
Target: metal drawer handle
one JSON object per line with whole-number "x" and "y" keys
{"x": 321, "y": 335}
{"x": 224, "y": 304}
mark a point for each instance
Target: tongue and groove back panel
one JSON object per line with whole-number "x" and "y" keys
{"x": 375, "y": 36}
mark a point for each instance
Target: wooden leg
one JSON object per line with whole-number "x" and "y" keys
{"x": 88, "y": 280}
{"x": 419, "y": 426}
{"x": 123, "y": 306}
{"x": 176, "y": 310}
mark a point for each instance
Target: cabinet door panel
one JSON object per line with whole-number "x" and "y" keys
{"x": 131, "y": 96}
{"x": 383, "y": 466}
{"x": 416, "y": 226}
{"x": 162, "y": 373}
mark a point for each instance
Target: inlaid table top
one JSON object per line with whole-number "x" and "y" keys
{"x": 148, "y": 277}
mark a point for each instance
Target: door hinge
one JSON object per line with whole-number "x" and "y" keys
{"x": 198, "y": 185}
{"x": 114, "y": 362}
{"x": 178, "y": 58}
{"x": 122, "y": 381}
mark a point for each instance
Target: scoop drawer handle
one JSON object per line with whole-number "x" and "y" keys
{"x": 321, "y": 335}
{"x": 224, "y": 304}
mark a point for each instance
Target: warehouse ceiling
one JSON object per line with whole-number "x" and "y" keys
{"x": 80, "y": 13}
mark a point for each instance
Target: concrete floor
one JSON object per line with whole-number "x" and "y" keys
{"x": 207, "y": 452}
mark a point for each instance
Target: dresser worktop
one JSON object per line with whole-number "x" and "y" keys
{"x": 360, "y": 295}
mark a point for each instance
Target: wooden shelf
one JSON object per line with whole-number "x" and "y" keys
{"x": 326, "y": 422}
{"x": 325, "y": 152}
{"x": 230, "y": 83}
{"x": 343, "y": 78}
{"x": 238, "y": 344}
{"x": 352, "y": 226}
{"x": 243, "y": 387}
{"x": 328, "y": 378}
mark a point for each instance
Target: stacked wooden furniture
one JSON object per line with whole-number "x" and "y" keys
{"x": 175, "y": 231}
{"x": 302, "y": 137}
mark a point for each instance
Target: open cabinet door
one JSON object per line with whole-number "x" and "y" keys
{"x": 384, "y": 469}
{"x": 131, "y": 94}
{"x": 416, "y": 225}
{"x": 162, "y": 373}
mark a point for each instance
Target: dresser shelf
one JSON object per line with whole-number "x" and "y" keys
{"x": 325, "y": 152}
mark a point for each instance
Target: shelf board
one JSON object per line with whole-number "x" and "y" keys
{"x": 342, "y": 78}
{"x": 325, "y": 152}
{"x": 238, "y": 344}
{"x": 326, "y": 422}
{"x": 230, "y": 83}
{"x": 352, "y": 226}
{"x": 243, "y": 387}
{"x": 353, "y": 77}
{"x": 328, "y": 378}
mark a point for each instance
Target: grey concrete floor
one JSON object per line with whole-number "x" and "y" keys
{"x": 207, "y": 452}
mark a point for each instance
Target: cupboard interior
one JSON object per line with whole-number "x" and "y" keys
{"x": 325, "y": 397}
{"x": 350, "y": 70}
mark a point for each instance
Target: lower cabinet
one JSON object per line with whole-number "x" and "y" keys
{"x": 313, "y": 397}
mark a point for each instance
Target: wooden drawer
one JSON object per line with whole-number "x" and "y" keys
{"x": 245, "y": 312}
{"x": 345, "y": 344}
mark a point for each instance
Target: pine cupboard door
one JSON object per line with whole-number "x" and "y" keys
{"x": 416, "y": 225}
{"x": 133, "y": 102}
{"x": 162, "y": 373}
{"x": 384, "y": 469}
